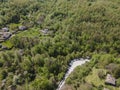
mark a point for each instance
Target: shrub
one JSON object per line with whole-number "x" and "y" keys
{"x": 117, "y": 72}
{"x": 101, "y": 74}
{"x": 118, "y": 82}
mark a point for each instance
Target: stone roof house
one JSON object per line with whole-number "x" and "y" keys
{"x": 6, "y": 35}
{"x": 46, "y": 32}
{"x": 110, "y": 80}
{"x": 22, "y": 28}
{"x": 5, "y": 29}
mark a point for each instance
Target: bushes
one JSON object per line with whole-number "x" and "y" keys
{"x": 3, "y": 74}
{"x": 24, "y": 42}
{"x": 103, "y": 60}
{"x": 38, "y": 60}
{"x": 42, "y": 84}
{"x": 1, "y": 62}
{"x": 117, "y": 72}
{"x": 118, "y": 82}
{"x": 101, "y": 74}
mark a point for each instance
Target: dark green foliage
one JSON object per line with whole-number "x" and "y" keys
{"x": 79, "y": 28}
{"x": 3, "y": 74}
{"x": 101, "y": 74}
{"x": 117, "y": 72}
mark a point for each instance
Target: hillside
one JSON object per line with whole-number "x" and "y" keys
{"x": 38, "y": 39}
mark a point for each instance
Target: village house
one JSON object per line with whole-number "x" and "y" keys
{"x": 110, "y": 80}
{"x": 46, "y": 32}
{"x": 6, "y": 35}
{"x": 5, "y": 29}
{"x": 21, "y": 28}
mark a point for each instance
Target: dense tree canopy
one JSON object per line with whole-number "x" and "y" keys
{"x": 57, "y": 32}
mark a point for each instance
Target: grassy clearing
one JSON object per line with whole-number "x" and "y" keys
{"x": 95, "y": 80}
{"x": 33, "y": 32}
{"x": 93, "y": 77}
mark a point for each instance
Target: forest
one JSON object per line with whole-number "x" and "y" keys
{"x": 38, "y": 39}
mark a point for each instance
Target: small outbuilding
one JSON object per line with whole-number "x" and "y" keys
{"x": 110, "y": 80}
{"x": 22, "y": 28}
{"x": 5, "y": 29}
{"x": 45, "y": 31}
{"x": 7, "y": 35}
